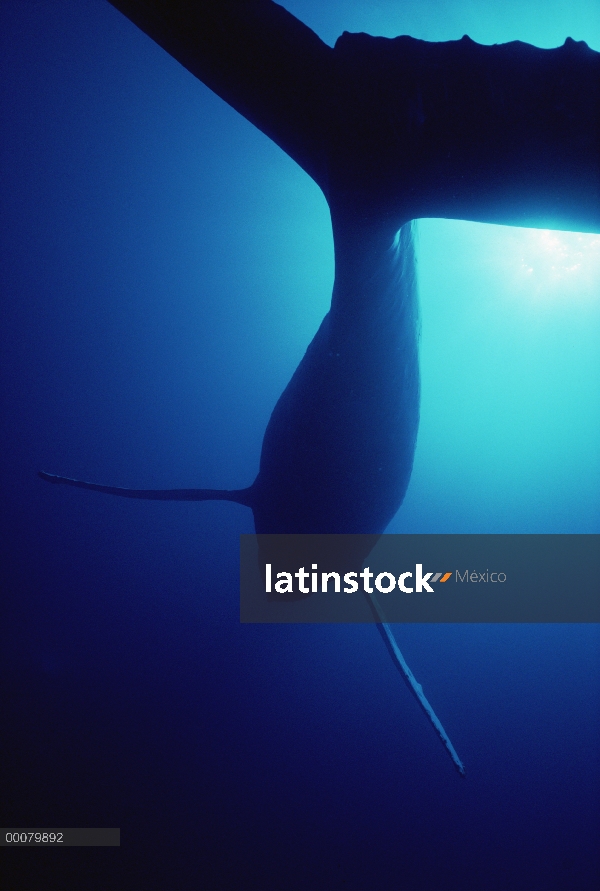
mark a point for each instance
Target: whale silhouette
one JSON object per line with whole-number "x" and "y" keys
{"x": 338, "y": 449}
{"x": 391, "y": 130}
{"x": 337, "y": 452}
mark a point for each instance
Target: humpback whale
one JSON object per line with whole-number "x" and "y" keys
{"x": 337, "y": 452}
{"x": 391, "y": 130}
{"x": 338, "y": 448}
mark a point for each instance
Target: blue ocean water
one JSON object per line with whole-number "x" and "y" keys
{"x": 164, "y": 267}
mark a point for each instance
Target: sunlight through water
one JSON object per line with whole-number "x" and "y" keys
{"x": 554, "y": 264}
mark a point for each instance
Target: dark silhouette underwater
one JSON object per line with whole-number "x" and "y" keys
{"x": 391, "y": 130}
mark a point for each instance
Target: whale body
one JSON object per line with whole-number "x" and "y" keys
{"x": 338, "y": 449}
{"x": 391, "y": 130}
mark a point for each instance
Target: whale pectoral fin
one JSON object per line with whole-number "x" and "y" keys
{"x": 256, "y": 56}
{"x": 240, "y": 496}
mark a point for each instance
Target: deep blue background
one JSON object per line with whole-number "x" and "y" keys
{"x": 163, "y": 268}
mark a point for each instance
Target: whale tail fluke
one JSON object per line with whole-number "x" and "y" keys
{"x": 241, "y": 496}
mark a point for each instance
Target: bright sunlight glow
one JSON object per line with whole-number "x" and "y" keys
{"x": 551, "y": 262}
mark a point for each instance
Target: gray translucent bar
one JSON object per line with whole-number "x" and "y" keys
{"x": 420, "y": 578}
{"x": 59, "y": 838}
